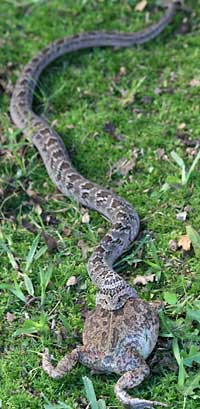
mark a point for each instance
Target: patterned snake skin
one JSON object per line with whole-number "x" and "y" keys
{"x": 113, "y": 290}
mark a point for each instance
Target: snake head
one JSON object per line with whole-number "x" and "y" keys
{"x": 117, "y": 301}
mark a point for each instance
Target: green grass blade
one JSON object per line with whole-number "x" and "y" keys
{"x": 177, "y": 159}
{"x": 195, "y": 239}
{"x": 192, "y": 383}
{"x": 193, "y": 315}
{"x": 101, "y": 404}
{"x": 59, "y": 405}
{"x": 40, "y": 252}
{"x": 28, "y": 285}
{"x": 176, "y": 351}
{"x": 31, "y": 252}
{"x": 181, "y": 164}
{"x": 16, "y": 290}
{"x": 181, "y": 374}
{"x": 90, "y": 393}
{"x": 10, "y": 255}
{"x": 192, "y": 166}
{"x": 131, "y": 257}
{"x": 45, "y": 277}
{"x": 179, "y": 359}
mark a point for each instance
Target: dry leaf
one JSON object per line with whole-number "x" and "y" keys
{"x": 29, "y": 226}
{"x": 144, "y": 279}
{"x": 124, "y": 166}
{"x": 66, "y": 231}
{"x": 181, "y": 126}
{"x": 38, "y": 209}
{"x": 85, "y": 218}
{"x": 71, "y": 281}
{"x": 10, "y": 317}
{"x": 51, "y": 243}
{"x": 70, "y": 126}
{"x": 30, "y": 192}
{"x": 141, "y": 5}
{"x": 194, "y": 82}
{"x": 34, "y": 196}
{"x": 182, "y": 216}
{"x": 191, "y": 151}
{"x": 173, "y": 245}
{"x": 110, "y": 129}
{"x": 184, "y": 242}
{"x": 54, "y": 122}
{"x": 62, "y": 333}
{"x": 122, "y": 71}
{"x": 84, "y": 248}
{"x": 160, "y": 153}
{"x": 49, "y": 219}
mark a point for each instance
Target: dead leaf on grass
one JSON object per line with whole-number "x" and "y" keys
{"x": 194, "y": 82}
{"x": 192, "y": 151}
{"x": 110, "y": 129}
{"x": 123, "y": 166}
{"x": 141, "y": 5}
{"x": 66, "y": 231}
{"x": 173, "y": 245}
{"x": 85, "y": 218}
{"x": 70, "y": 126}
{"x": 34, "y": 196}
{"x": 122, "y": 71}
{"x": 71, "y": 281}
{"x": 195, "y": 239}
{"x": 51, "y": 243}
{"x": 143, "y": 280}
{"x": 10, "y": 317}
{"x": 160, "y": 154}
{"x": 29, "y": 226}
{"x": 49, "y": 219}
{"x": 182, "y": 216}
{"x": 181, "y": 126}
{"x": 184, "y": 242}
{"x": 84, "y": 248}
{"x": 62, "y": 333}
{"x": 38, "y": 209}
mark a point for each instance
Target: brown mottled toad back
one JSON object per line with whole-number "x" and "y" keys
{"x": 116, "y": 341}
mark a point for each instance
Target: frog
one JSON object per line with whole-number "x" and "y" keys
{"x": 115, "y": 341}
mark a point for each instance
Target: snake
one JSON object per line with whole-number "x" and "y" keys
{"x": 112, "y": 290}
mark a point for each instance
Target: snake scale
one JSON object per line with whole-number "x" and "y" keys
{"x": 113, "y": 290}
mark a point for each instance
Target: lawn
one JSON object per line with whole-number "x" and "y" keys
{"x": 130, "y": 120}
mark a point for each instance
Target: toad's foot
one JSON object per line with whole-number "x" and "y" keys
{"x": 65, "y": 365}
{"x": 129, "y": 380}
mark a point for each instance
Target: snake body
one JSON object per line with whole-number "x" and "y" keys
{"x": 113, "y": 290}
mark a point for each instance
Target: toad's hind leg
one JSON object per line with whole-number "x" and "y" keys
{"x": 129, "y": 380}
{"x": 65, "y": 365}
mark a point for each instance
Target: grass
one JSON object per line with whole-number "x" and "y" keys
{"x": 81, "y": 93}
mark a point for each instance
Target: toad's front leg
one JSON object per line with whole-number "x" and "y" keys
{"x": 65, "y": 365}
{"x": 129, "y": 380}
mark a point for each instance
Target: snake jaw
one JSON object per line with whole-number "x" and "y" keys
{"x": 116, "y": 301}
